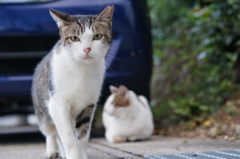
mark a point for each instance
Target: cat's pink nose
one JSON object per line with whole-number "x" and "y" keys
{"x": 87, "y": 50}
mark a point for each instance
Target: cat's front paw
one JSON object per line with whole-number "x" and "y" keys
{"x": 52, "y": 154}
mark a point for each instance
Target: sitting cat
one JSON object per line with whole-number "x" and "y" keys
{"x": 67, "y": 82}
{"x": 126, "y": 116}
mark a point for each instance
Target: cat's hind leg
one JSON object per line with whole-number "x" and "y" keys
{"x": 51, "y": 140}
{"x": 52, "y": 151}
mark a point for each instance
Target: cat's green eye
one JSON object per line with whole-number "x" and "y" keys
{"x": 74, "y": 38}
{"x": 97, "y": 36}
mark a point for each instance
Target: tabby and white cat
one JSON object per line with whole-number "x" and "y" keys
{"x": 126, "y": 116}
{"x": 67, "y": 82}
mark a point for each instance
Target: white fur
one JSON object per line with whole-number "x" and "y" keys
{"x": 131, "y": 122}
{"x": 86, "y": 42}
{"x": 77, "y": 83}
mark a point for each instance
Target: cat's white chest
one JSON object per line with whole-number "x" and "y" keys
{"x": 78, "y": 84}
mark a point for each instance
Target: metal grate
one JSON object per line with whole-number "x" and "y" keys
{"x": 20, "y": 54}
{"x": 234, "y": 154}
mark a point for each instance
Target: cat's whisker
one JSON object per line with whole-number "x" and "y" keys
{"x": 115, "y": 58}
{"x": 109, "y": 66}
{"x": 101, "y": 57}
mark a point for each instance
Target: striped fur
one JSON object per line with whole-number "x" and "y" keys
{"x": 68, "y": 81}
{"x": 76, "y": 25}
{"x": 83, "y": 120}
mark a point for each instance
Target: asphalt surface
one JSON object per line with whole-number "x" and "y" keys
{"x": 30, "y": 145}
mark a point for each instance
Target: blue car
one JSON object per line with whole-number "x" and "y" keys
{"x": 28, "y": 33}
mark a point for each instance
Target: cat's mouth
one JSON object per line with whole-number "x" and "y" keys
{"x": 87, "y": 57}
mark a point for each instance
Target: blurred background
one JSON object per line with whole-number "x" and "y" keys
{"x": 195, "y": 85}
{"x": 183, "y": 55}
{"x": 28, "y": 33}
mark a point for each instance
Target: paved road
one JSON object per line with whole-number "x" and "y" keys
{"x": 28, "y": 143}
{"x": 159, "y": 145}
{"x": 31, "y": 146}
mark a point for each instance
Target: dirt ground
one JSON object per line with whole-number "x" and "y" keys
{"x": 223, "y": 124}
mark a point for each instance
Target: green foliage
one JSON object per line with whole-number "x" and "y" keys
{"x": 196, "y": 46}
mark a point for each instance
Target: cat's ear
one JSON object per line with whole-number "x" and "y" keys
{"x": 60, "y": 18}
{"x": 113, "y": 89}
{"x": 106, "y": 15}
{"x": 123, "y": 90}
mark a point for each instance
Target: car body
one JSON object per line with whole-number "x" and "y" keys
{"x": 27, "y": 34}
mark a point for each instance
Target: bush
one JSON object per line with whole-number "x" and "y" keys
{"x": 196, "y": 48}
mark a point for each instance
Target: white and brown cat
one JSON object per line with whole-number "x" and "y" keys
{"x": 67, "y": 82}
{"x": 126, "y": 116}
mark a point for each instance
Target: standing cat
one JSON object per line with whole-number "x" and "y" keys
{"x": 67, "y": 82}
{"x": 126, "y": 116}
